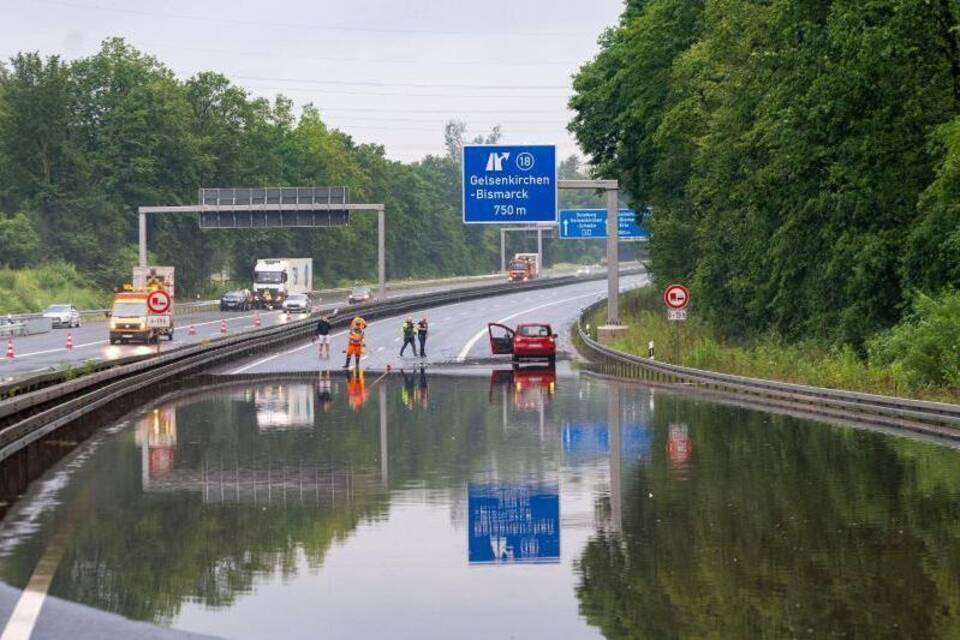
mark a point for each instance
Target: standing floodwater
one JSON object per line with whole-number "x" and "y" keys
{"x": 523, "y": 506}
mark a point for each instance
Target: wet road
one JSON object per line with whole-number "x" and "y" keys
{"x": 457, "y": 335}
{"x": 491, "y": 506}
{"x": 42, "y": 352}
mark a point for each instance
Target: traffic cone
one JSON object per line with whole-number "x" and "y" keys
{"x": 256, "y": 319}
{"x": 193, "y": 330}
{"x": 223, "y": 327}
{"x": 10, "y": 348}
{"x": 69, "y": 342}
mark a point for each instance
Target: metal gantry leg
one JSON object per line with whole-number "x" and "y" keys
{"x": 613, "y": 257}
{"x": 143, "y": 237}
{"x": 382, "y": 253}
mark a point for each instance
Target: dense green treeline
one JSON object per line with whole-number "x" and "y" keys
{"x": 84, "y": 143}
{"x": 801, "y": 157}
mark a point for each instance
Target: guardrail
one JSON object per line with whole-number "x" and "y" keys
{"x": 939, "y": 419}
{"x": 28, "y": 417}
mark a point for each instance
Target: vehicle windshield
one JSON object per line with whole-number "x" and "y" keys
{"x": 129, "y": 309}
{"x": 268, "y": 277}
{"x": 233, "y": 294}
{"x": 534, "y": 331}
{"x": 299, "y": 297}
{"x": 360, "y": 291}
{"x": 518, "y": 265}
{"x": 58, "y": 307}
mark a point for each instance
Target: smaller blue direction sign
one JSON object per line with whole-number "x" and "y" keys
{"x": 579, "y": 224}
{"x": 509, "y": 184}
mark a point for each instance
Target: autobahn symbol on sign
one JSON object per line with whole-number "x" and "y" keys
{"x": 158, "y": 302}
{"x": 676, "y": 297}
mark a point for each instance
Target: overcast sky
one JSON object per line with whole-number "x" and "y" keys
{"x": 385, "y": 71}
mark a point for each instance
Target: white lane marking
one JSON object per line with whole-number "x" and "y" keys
{"x": 99, "y": 342}
{"x": 473, "y": 341}
{"x": 27, "y": 611}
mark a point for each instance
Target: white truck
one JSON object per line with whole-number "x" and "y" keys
{"x": 276, "y": 278}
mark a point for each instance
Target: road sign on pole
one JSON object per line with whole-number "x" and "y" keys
{"x": 158, "y": 301}
{"x": 580, "y": 224}
{"x": 676, "y": 297}
{"x": 503, "y": 183}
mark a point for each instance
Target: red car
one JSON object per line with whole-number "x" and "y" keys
{"x": 529, "y": 341}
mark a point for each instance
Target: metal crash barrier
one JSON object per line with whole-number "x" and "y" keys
{"x": 938, "y": 419}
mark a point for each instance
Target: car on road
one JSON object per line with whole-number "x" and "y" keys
{"x": 583, "y": 271}
{"x": 63, "y": 315}
{"x": 239, "y": 300}
{"x": 296, "y": 303}
{"x": 528, "y": 341}
{"x": 360, "y": 294}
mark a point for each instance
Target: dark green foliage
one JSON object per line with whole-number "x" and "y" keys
{"x": 786, "y": 149}
{"x": 84, "y": 143}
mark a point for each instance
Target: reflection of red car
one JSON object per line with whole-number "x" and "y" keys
{"x": 529, "y": 341}
{"x": 529, "y": 385}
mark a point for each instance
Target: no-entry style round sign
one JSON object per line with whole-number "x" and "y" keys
{"x": 676, "y": 296}
{"x": 158, "y": 301}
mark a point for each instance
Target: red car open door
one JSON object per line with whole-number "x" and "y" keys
{"x": 501, "y": 339}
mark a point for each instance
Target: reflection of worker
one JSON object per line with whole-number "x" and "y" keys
{"x": 356, "y": 389}
{"x": 322, "y": 335}
{"x": 355, "y": 342}
{"x": 422, "y": 327}
{"x": 408, "y": 390}
{"x": 324, "y": 391}
{"x": 422, "y": 390}
{"x": 409, "y": 332}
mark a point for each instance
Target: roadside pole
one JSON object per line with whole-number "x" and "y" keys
{"x": 143, "y": 236}
{"x": 503, "y": 249}
{"x": 540, "y": 249}
{"x": 381, "y": 252}
{"x": 613, "y": 257}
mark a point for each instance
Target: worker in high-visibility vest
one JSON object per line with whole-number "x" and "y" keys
{"x": 355, "y": 344}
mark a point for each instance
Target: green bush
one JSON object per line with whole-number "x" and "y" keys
{"x": 925, "y": 346}
{"x": 33, "y": 289}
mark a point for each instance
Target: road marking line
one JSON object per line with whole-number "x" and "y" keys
{"x": 99, "y": 342}
{"x": 27, "y": 610}
{"x": 473, "y": 341}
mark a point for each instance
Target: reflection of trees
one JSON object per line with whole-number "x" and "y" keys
{"x": 781, "y": 530}
{"x": 143, "y": 554}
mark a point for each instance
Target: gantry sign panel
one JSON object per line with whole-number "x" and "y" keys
{"x": 273, "y": 207}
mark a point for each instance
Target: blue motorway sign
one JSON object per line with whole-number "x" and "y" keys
{"x": 579, "y": 224}
{"x": 508, "y": 524}
{"x": 511, "y": 184}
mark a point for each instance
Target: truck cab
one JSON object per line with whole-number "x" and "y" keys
{"x": 129, "y": 320}
{"x": 523, "y": 267}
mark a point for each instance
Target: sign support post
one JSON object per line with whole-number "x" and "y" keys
{"x": 613, "y": 328}
{"x": 379, "y": 209}
{"x": 613, "y": 256}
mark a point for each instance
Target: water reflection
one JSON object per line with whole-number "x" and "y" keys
{"x": 249, "y": 511}
{"x": 511, "y": 524}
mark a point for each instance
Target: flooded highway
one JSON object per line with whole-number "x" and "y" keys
{"x": 494, "y": 505}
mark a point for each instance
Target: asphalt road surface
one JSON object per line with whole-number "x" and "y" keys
{"x": 458, "y": 332}
{"x": 42, "y": 352}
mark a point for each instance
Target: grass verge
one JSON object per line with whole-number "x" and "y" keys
{"x": 695, "y": 344}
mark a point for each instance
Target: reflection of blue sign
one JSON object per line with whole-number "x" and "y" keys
{"x": 587, "y": 441}
{"x": 578, "y": 224}
{"x": 509, "y": 184}
{"x": 513, "y": 523}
